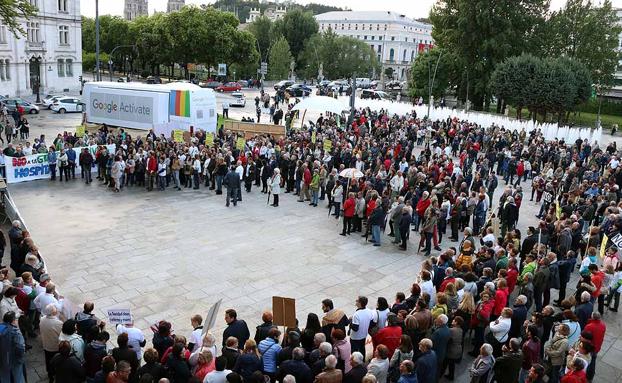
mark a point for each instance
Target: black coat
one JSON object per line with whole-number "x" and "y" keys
{"x": 298, "y": 369}
{"x": 238, "y": 328}
{"x": 355, "y": 375}
{"x": 528, "y": 244}
{"x": 67, "y": 369}
{"x": 232, "y": 181}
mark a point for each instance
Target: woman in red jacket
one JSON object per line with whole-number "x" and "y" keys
{"x": 501, "y": 298}
{"x": 576, "y": 373}
{"x": 348, "y": 214}
{"x": 480, "y": 320}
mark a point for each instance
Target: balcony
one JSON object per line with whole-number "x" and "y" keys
{"x": 38, "y": 46}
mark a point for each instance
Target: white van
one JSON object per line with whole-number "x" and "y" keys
{"x": 363, "y": 82}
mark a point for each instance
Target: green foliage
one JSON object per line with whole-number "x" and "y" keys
{"x": 297, "y": 26}
{"x": 388, "y": 72}
{"x": 88, "y": 61}
{"x": 588, "y": 33}
{"x": 482, "y": 34}
{"x": 242, "y": 7}
{"x": 340, "y": 56}
{"x": 541, "y": 85}
{"x": 422, "y": 72}
{"x": 263, "y": 30}
{"x": 280, "y": 59}
{"x": 194, "y": 35}
{"x": 11, "y": 11}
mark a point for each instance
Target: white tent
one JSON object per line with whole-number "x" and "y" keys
{"x": 321, "y": 104}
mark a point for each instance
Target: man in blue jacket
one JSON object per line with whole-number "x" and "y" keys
{"x": 232, "y": 182}
{"x": 12, "y": 349}
{"x": 426, "y": 363}
{"x": 71, "y": 159}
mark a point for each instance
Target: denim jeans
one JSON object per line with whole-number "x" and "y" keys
{"x": 161, "y": 182}
{"x": 375, "y": 234}
{"x": 315, "y": 198}
{"x": 219, "y": 183}
{"x": 232, "y": 194}
{"x": 176, "y": 178}
{"x": 12, "y": 374}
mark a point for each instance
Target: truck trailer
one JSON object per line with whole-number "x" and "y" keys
{"x": 161, "y": 107}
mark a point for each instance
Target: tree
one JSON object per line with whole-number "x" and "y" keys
{"x": 263, "y": 30}
{"x": 422, "y": 72}
{"x": 280, "y": 59}
{"x": 88, "y": 60}
{"x": 389, "y": 72}
{"x": 482, "y": 34}
{"x": 297, "y": 27}
{"x": 549, "y": 85}
{"x": 589, "y": 34}
{"x": 11, "y": 11}
{"x": 340, "y": 57}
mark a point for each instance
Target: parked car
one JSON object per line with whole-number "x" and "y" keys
{"x": 153, "y": 80}
{"x": 238, "y": 99}
{"x": 212, "y": 84}
{"x": 284, "y": 84}
{"x": 298, "y": 90}
{"x": 50, "y": 99}
{"x": 229, "y": 87}
{"x": 29, "y": 107}
{"x": 67, "y": 105}
{"x": 363, "y": 82}
{"x": 393, "y": 85}
{"x": 323, "y": 83}
{"x": 374, "y": 94}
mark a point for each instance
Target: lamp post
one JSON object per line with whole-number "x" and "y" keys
{"x": 110, "y": 62}
{"x": 97, "y": 69}
{"x": 431, "y": 84}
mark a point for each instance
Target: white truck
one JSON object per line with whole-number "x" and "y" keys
{"x": 161, "y": 107}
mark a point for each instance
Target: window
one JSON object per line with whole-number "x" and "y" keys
{"x": 379, "y": 38}
{"x": 33, "y": 33}
{"x": 372, "y": 47}
{"x": 61, "y": 68}
{"x": 33, "y": 3}
{"x": 385, "y": 27}
{"x": 322, "y": 26}
{"x": 406, "y": 39}
{"x": 63, "y": 6}
{"x": 7, "y": 68}
{"x": 365, "y": 37}
{"x": 69, "y": 67}
{"x": 2, "y": 78}
{"x": 392, "y": 38}
{"x": 356, "y": 27}
{"x": 3, "y": 34}
{"x": 363, "y": 27}
{"x": 391, "y": 54}
{"x": 404, "y": 57}
{"x": 349, "y": 26}
{"x": 379, "y": 48}
{"x": 412, "y": 55}
{"x": 377, "y": 27}
{"x": 373, "y": 37}
{"x": 63, "y": 35}
{"x": 342, "y": 27}
{"x": 370, "y": 26}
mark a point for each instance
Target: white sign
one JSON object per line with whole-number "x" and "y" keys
{"x": 36, "y": 166}
{"x": 222, "y": 69}
{"x": 617, "y": 240}
{"x": 210, "y": 319}
{"x": 119, "y": 316}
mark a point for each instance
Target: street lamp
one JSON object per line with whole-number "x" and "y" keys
{"x": 110, "y": 68}
{"x": 431, "y": 84}
{"x": 110, "y": 62}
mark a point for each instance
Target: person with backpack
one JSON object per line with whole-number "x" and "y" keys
{"x": 12, "y": 350}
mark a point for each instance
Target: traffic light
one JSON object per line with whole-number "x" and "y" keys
{"x": 80, "y": 78}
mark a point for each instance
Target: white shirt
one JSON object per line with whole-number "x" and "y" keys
{"x": 42, "y": 301}
{"x": 428, "y": 287}
{"x": 381, "y": 316}
{"x": 217, "y": 376}
{"x": 196, "y": 338}
{"x": 501, "y": 330}
{"x": 362, "y": 318}
{"x": 28, "y": 150}
{"x": 193, "y": 150}
{"x": 613, "y": 163}
{"x": 240, "y": 170}
{"x": 135, "y": 338}
{"x": 397, "y": 183}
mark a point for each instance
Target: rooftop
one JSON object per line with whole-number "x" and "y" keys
{"x": 384, "y": 16}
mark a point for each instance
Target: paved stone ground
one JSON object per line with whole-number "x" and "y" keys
{"x": 169, "y": 255}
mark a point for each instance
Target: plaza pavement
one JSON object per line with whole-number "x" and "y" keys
{"x": 169, "y": 255}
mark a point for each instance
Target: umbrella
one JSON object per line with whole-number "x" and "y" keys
{"x": 351, "y": 173}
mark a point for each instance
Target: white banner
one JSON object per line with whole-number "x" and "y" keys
{"x": 36, "y": 166}
{"x": 119, "y": 316}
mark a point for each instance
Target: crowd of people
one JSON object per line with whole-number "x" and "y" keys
{"x": 489, "y": 293}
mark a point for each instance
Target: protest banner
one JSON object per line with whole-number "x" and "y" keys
{"x": 36, "y": 166}
{"x": 209, "y": 139}
{"x": 178, "y": 136}
{"x": 284, "y": 311}
{"x": 119, "y": 316}
{"x": 328, "y": 145}
{"x": 313, "y": 137}
{"x": 210, "y": 319}
{"x": 240, "y": 143}
{"x": 80, "y": 131}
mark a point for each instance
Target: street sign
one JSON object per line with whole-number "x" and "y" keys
{"x": 264, "y": 68}
{"x": 222, "y": 69}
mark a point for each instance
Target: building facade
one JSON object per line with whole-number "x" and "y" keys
{"x": 174, "y": 5}
{"x": 396, "y": 39}
{"x": 271, "y": 13}
{"x": 135, "y": 8}
{"x": 48, "y": 56}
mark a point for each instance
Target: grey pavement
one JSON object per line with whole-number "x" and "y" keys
{"x": 169, "y": 255}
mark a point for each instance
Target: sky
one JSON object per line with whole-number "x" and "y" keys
{"x": 411, "y": 8}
